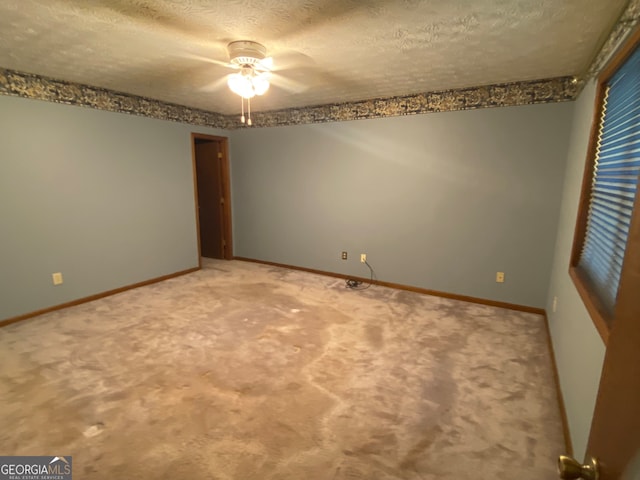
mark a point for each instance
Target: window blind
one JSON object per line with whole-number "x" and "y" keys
{"x": 614, "y": 183}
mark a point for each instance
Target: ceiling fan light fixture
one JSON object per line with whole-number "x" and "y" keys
{"x": 253, "y": 77}
{"x": 248, "y": 83}
{"x": 241, "y": 84}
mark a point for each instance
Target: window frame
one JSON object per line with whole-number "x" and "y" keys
{"x": 601, "y": 319}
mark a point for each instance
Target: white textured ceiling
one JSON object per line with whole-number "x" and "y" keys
{"x": 326, "y": 51}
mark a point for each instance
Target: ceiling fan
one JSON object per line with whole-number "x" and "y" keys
{"x": 252, "y": 79}
{"x": 255, "y": 71}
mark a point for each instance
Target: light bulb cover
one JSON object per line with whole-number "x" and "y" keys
{"x": 248, "y": 83}
{"x": 261, "y": 84}
{"x": 241, "y": 85}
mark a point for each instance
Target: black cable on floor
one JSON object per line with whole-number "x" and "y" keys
{"x": 355, "y": 284}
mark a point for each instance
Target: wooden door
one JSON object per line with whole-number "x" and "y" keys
{"x": 615, "y": 430}
{"x": 210, "y": 199}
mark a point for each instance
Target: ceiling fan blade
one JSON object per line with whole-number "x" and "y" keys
{"x": 300, "y": 79}
{"x": 290, "y": 59}
{"x": 176, "y": 77}
{"x": 287, "y": 84}
{"x": 202, "y": 58}
{"x": 215, "y": 85}
{"x": 266, "y": 64}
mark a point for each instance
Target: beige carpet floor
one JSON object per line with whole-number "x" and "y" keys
{"x": 245, "y": 371}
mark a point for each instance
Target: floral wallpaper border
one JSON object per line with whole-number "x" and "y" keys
{"x": 623, "y": 27}
{"x": 502, "y": 95}
{"x": 520, "y": 93}
{"x": 59, "y": 91}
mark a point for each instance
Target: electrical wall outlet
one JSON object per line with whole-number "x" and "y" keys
{"x": 57, "y": 278}
{"x": 554, "y": 307}
{"x": 344, "y": 255}
{"x": 500, "y": 277}
{"x": 363, "y": 257}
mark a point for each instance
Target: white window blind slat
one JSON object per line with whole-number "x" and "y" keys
{"x": 614, "y": 182}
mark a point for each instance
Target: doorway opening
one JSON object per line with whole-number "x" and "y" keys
{"x": 212, "y": 195}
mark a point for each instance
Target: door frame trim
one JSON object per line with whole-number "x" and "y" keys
{"x": 225, "y": 179}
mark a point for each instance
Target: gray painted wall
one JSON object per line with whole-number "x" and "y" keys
{"x": 440, "y": 201}
{"x": 578, "y": 347}
{"x": 105, "y": 198}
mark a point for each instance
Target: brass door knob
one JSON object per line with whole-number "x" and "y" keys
{"x": 569, "y": 469}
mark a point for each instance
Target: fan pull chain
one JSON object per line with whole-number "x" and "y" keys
{"x": 249, "y": 111}
{"x": 242, "y": 103}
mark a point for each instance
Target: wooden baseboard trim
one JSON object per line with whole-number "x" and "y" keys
{"x": 97, "y": 296}
{"x": 556, "y": 378}
{"x": 408, "y": 288}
